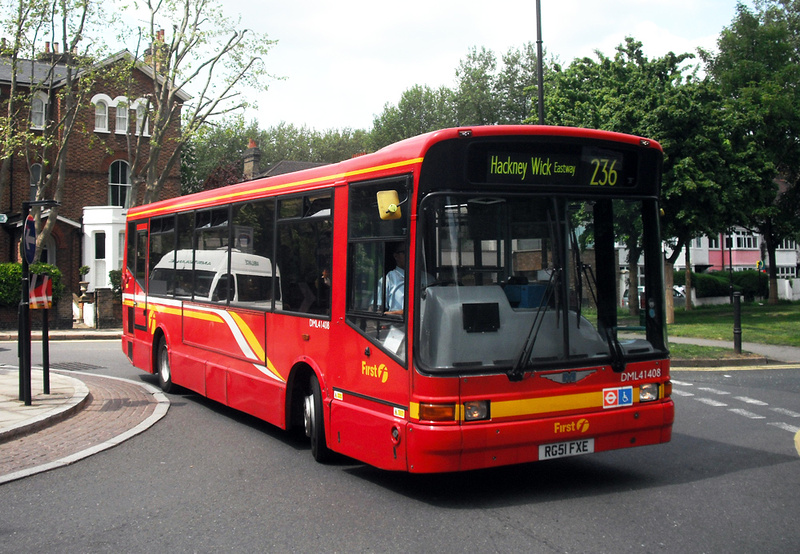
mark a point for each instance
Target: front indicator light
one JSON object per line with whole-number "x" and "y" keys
{"x": 648, "y": 392}
{"x": 476, "y": 410}
{"x": 437, "y": 412}
{"x": 667, "y": 389}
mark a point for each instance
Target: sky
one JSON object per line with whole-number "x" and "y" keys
{"x": 343, "y": 61}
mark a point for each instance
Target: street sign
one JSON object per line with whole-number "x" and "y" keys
{"x": 41, "y": 292}
{"x": 29, "y": 239}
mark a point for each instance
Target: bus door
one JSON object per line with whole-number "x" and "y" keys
{"x": 135, "y": 295}
{"x": 371, "y": 395}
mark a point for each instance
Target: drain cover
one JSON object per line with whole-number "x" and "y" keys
{"x": 74, "y": 366}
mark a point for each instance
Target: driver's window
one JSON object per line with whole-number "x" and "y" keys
{"x": 377, "y": 249}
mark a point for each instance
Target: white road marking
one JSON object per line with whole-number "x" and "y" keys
{"x": 713, "y": 391}
{"x": 711, "y": 402}
{"x": 751, "y": 401}
{"x": 745, "y": 413}
{"x": 784, "y": 411}
{"x": 784, "y": 426}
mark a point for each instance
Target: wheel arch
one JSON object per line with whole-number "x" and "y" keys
{"x": 297, "y": 388}
{"x": 160, "y": 333}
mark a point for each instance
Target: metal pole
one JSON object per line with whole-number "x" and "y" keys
{"x": 46, "y": 350}
{"x": 737, "y": 322}
{"x": 730, "y": 265}
{"x": 25, "y": 322}
{"x": 540, "y": 78}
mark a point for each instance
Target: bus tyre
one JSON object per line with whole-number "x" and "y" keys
{"x": 314, "y": 422}
{"x": 164, "y": 370}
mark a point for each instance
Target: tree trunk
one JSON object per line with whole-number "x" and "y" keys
{"x": 688, "y": 281}
{"x": 669, "y": 279}
{"x": 773, "y": 272}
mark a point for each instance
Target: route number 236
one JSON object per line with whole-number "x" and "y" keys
{"x": 604, "y": 173}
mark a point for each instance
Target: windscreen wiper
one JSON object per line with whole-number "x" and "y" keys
{"x": 614, "y": 347}
{"x": 517, "y": 372}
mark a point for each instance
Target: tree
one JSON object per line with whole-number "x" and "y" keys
{"x": 517, "y": 84}
{"x": 208, "y": 55}
{"x": 758, "y": 70}
{"x": 421, "y": 109}
{"x": 213, "y": 157}
{"x": 335, "y": 145}
{"x": 216, "y": 144}
{"x": 56, "y": 86}
{"x": 704, "y": 186}
{"x": 476, "y": 92}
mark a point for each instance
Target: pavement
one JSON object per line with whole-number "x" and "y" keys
{"x": 88, "y": 413}
{"x": 84, "y": 413}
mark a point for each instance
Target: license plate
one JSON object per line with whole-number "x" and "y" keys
{"x": 564, "y": 449}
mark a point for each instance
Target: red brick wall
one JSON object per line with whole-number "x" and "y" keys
{"x": 88, "y": 160}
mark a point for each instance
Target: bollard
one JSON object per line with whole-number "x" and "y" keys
{"x": 737, "y": 322}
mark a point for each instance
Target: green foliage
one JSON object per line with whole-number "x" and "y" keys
{"x": 756, "y": 68}
{"x": 55, "y": 276}
{"x": 115, "y": 278}
{"x": 716, "y": 283}
{"x": 751, "y": 283}
{"x": 11, "y": 281}
{"x": 215, "y": 154}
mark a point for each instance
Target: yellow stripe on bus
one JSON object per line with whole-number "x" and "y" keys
{"x": 533, "y": 406}
{"x": 249, "y": 336}
{"x": 232, "y": 196}
{"x": 536, "y": 406}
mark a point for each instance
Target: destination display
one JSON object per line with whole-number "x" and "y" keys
{"x": 590, "y": 167}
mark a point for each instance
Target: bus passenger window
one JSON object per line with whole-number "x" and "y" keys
{"x": 305, "y": 251}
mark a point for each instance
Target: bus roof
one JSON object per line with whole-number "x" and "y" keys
{"x": 406, "y": 153}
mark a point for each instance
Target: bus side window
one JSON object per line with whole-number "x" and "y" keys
{"x": 253, "y": 271}
{"x": 305, "y": 250}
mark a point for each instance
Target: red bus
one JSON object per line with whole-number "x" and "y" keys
{"x": 444, "y": 304}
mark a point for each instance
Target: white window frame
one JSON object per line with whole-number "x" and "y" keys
{"x": 38, "y": 110}
{"x": 102, "y": 103}
{"x": 119, "y": 187}
{"x": 142, "y": 122}
{"x": 121, "y": 121}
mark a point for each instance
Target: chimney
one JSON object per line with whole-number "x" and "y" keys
{"x": 252, "y": 159}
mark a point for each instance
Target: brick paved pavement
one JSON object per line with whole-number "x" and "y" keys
{"x": 116, "y": 410}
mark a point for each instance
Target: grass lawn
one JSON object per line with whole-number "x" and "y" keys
{"x": 694, "y": 352}
{"x": 779, "y": 324}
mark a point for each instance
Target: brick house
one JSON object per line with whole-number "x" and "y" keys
{"x": 90, "y": 225}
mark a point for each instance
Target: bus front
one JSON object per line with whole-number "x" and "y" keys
{"x": 522, "y": 349}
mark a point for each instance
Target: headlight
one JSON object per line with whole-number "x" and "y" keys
{"x": 476, "y": 410}
{"x": 648, "y": 392}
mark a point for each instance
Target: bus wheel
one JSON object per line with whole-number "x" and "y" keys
{"x": 314, "y": 422}
{"x": 164, "y": 371}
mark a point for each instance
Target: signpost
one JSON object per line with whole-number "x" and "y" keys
{"x": 28, "y": 253}
{"x": 28, "y": 250}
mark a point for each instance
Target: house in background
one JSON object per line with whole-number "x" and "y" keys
{"x": 90, "y": 226}
{"x": 740, "y": 250}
